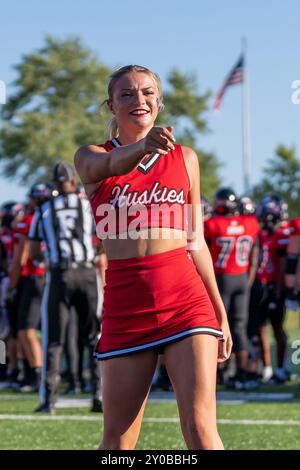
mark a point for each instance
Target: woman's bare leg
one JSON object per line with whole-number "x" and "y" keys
{"x": 192, "y": 366}
{"x": 126, "y": 382}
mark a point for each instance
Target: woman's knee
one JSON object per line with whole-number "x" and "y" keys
{"x": 200, "y": 430}
{"x": 199, "y": 420}
{"x": 117, "y": 443}
{"x": 120, "y": 437}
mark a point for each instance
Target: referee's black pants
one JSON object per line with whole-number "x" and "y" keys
{"x": 64, "y": 289}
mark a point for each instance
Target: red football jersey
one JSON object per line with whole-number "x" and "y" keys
{"x": 230, "y": 240}
{"x": 272, "y": 247}
{"x": 31, "y": 268}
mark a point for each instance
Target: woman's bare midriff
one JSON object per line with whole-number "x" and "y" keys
{"x": 150, "y": 242}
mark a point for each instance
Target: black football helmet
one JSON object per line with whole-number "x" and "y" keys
{"x": 271, "y": 210}
{"x": 226, "y": 202}
{"x": 8, "y": 212}
{"x": 40, "y": 193}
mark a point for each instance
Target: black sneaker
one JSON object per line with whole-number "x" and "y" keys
{"x": 97, "y": 406}
{"x": 45, "y": 408}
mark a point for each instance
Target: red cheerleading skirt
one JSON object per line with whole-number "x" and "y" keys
{"x": 151, "y": 301}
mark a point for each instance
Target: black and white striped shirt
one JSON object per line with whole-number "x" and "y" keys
{"x": 66, "y": 225}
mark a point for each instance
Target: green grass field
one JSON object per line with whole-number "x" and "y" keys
{"x": 259, "y": 424}
{"x": 77, "y": 428}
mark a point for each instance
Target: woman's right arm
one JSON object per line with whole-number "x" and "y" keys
{"x": 94, "y": 164}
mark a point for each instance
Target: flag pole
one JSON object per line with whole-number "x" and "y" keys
{"x": 245, "y": 118}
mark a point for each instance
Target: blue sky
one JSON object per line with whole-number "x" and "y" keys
{"x": 203, "y": 37}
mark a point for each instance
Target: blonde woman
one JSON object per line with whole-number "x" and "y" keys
{"x": 160, "y": 294}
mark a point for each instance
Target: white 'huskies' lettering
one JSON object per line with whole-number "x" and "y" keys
{"x": 155, "y": 195}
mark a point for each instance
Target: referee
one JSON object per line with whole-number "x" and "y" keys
{"x": 65, "y": 225}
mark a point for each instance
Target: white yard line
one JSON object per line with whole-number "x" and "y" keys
{"x": 270, "y": 422}
{"x": 11, "y": 417}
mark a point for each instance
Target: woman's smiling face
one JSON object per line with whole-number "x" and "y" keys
{"x": 135, "y": 100}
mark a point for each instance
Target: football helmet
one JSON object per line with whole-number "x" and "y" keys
{"x": 271, "y": 210}
{"x": 40, "y": 192}
{"x": 246, "y": 206}
{"x": 9, "y": 211}
{"x": 226, "y": 202}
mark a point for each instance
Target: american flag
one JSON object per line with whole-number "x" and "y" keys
{"x": 235, "y": 76}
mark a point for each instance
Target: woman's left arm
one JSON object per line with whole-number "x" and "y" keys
{"x": 200, "y": 253}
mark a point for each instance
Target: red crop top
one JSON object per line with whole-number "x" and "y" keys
{"x": 154, "y": 194}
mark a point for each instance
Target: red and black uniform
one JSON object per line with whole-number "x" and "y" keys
{"x": 230, "y": 239}
{"x": 7, "y": 237}
{"x": 3, "y": 287}
{"x": 293, "y": 258}
{"x": 267, "y": 296}
{"x": 157, "y": 299}
{"x": 273, "y": 247}
{"x": 31, "y": 284}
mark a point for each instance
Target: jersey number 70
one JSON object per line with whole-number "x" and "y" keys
{"x": 241, "y": 246}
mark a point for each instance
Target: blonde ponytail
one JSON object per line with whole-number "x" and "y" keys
{"x": 113, "y": 130}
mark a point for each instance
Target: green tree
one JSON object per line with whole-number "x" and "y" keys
{"x": 282, "y": 176}
{"x": 56, "y": 108}
{"x": 185, "y": 109}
